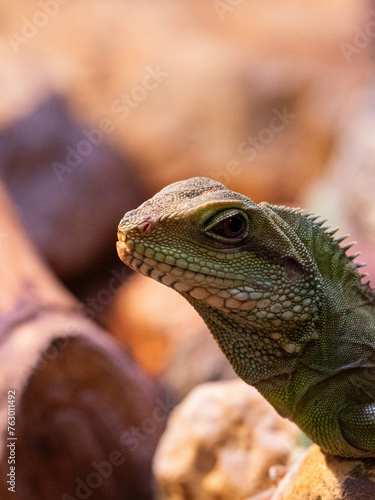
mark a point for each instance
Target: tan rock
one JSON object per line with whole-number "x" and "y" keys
{"x": 318, "y": 476}
{"x": 220, "y": 442}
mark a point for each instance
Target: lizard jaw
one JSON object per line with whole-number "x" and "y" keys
{"x": 227, "y": 294}
{"x": 194, "y": 283}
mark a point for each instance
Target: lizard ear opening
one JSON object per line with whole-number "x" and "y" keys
{"x": 228, "y": 226}
{"x": 292, "y": 268}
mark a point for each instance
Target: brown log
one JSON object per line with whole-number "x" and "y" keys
{"x": 87, "y": 419}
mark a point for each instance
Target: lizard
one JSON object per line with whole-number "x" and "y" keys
{"x": 281, "y": 296}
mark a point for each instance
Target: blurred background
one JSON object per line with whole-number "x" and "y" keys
{"x": 103, "y": 103}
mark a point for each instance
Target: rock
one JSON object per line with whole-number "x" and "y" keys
{"x": 69, "y": 185}
{"x": 242, "y": 72}
{"x": 87, "y": 420}
{"x": 166, "y": 336}
{"x": 220, "y": 442}
{"x": 318, "y": 476}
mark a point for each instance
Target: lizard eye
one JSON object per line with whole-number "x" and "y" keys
{"x": 231, "y": 226}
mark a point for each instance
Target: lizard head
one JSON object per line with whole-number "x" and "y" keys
{"x": 238, "y": 263}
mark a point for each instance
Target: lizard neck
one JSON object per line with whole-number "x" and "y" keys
{"x": 250, "y": 350}
{"x": 346, "y": 325}
{"x": 342, "y": 285}
{"x": 345, "y": 306}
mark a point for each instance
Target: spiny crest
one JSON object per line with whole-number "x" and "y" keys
{"x": 312, "y": 231}
{"x": 309, "y": 221}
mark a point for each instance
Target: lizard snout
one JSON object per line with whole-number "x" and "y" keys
{"x": 124, "y": 247}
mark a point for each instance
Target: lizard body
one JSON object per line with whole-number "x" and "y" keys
{"x": 284, "y": 301}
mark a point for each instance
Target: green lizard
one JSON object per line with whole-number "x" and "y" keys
{"x": 279, "y": 294}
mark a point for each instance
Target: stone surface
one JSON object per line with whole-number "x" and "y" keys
{"x": 166, "y": 336}
{"x": 318, "y": 476}
{"x": 220, "y": 442}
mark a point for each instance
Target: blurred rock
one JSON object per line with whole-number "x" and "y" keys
{"x": 205, "y": 78}
{"x": 87, "y": 420}
{"x": 166, "y": 336}
{"x": 220, "y": 442}
{"x": 84, "y": 418}
{"x": 223, "y": 79}
{"x": 345, "y": 194}
{"x": 70, "y": 186}
{"x": 318, "y": 476}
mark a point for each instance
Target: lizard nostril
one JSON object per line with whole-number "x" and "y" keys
{"x": 144, "y": 227}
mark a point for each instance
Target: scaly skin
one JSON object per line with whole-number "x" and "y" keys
{"x": 281, "y": 297}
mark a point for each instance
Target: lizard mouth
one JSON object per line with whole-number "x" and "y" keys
{"x": 149, "y": 267}
{"x": 162, "y": 272}
{"x": 230, "y": 294}
{"x": 145, "y": 265}
{"x": 198, "y": 285}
